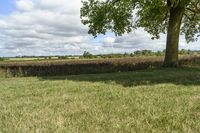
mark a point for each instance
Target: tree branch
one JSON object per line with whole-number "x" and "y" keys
{"x": 193, "y": 11}
{"x": 188, "y": 17}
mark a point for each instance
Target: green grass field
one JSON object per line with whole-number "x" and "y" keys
{"x": 155, "y": 100}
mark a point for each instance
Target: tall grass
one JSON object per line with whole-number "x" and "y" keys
{"x": 156, "y": 100}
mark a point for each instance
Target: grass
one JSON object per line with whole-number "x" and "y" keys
{"x": 155, "y": 100}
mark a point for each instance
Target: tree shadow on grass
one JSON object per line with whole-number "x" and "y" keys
{"x": 179, "y": 76}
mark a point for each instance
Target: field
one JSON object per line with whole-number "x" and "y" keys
{"x": 153, "y": 100}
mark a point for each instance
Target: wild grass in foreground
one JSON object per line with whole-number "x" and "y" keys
{"x": 156, "y": 100}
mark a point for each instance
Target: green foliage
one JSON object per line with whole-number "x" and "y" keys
{"x": 47, "y": 57}
{"x": 144, "y": 53}
{"x": 185, "y": 52}
{"x": 148, "y": 53}
{"x": 116, "y": 55}
{"x": 2, "y": 59}
{"x": 122, "y": 16}
{"x": 159, "y": 53}
{"x": 62, "y": 57}
{"x": 87, "y": 54}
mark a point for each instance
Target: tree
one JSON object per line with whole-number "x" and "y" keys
{"x": 155, "y": 16}
{"x": 183, "y": 52}
{"x": 87, "y": 54}
{"x": 2, "y": 59}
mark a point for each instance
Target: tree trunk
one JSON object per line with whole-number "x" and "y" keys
{"x": 173, "y": 32}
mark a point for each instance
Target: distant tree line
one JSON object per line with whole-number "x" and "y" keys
{"x": 88, "y": 55}
{"x": 137, "y": 53}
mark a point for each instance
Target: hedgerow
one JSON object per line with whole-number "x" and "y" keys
{"x": 61, "y": 68}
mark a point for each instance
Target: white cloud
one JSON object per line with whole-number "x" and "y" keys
{"x": 24, "y": 5}
{"x": 52, "y": 27}
{"x": 109, "y": 40}
{"x": 43, "y": 24}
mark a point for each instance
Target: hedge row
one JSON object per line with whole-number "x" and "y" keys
{"x": 61, "y": 68}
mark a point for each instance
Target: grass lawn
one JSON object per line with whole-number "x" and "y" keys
{"x": 156, "y": 100}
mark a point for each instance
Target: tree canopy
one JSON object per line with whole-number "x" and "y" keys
{"x": 122, "y": 16}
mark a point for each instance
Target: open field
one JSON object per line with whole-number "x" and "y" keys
{"x": 23, "y": 59}
{"x": 154, "y": 100}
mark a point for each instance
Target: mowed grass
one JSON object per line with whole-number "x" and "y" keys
{"x": 155, "y": 100}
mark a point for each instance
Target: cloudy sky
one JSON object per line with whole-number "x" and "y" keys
{"x": 53, "y": 27}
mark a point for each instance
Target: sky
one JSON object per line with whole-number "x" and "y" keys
{"x": 53, "y": 27}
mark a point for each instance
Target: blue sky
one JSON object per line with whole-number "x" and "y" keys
{"x": 53, "y": 27}
{"x": 7, "y": 6}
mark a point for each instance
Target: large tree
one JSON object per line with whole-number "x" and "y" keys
{"x": 173, "y": 17}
